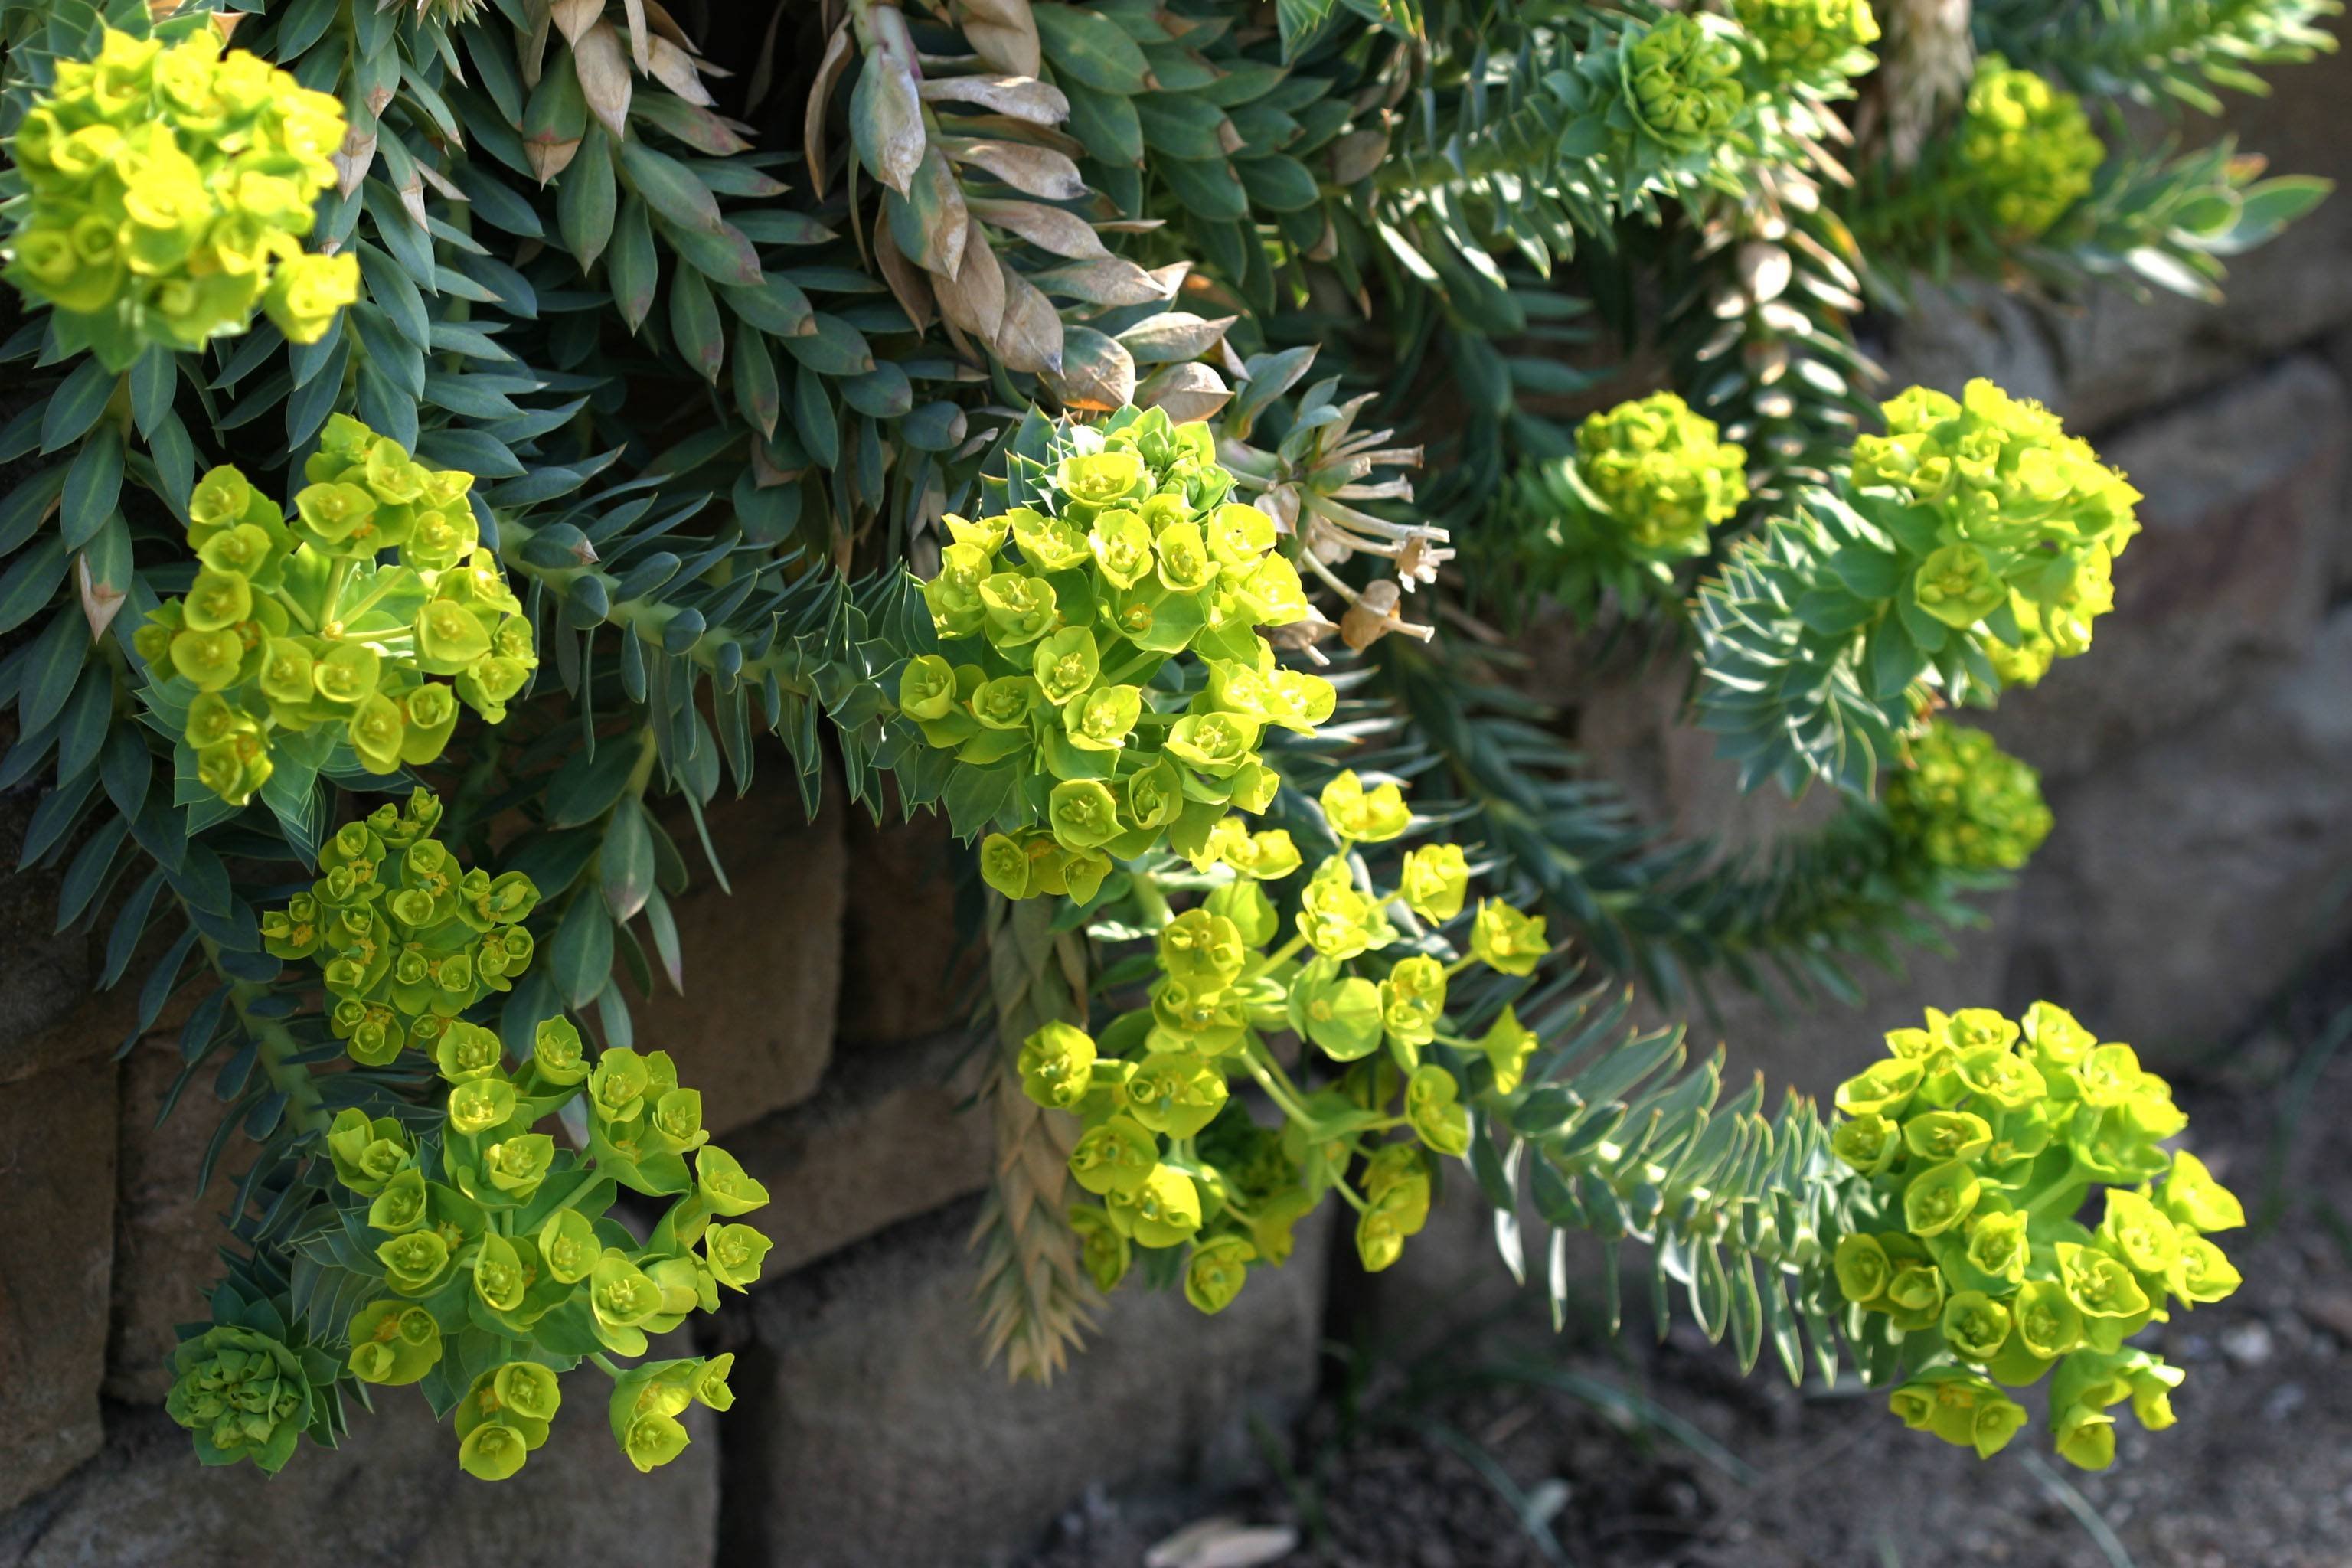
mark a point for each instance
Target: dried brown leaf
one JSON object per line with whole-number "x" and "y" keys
{"x": 572, "y": 18}
{"x": 1098, "y": 374}
{"x": 1186, "y": 392}
{"x": 1030, "y": 336}
{"x": 1040, "y": 171}
{"x": 1021, "y": 97}
{"x": 828, "y": 77}
{"x": 675, "y": 70}
{"x": 1048, "y": 228}
{"x": 601, "y": 63}
{"x": 1003, "y": 34}
{"x": 973, "y": 298}
{"x": 1174, "y": 335}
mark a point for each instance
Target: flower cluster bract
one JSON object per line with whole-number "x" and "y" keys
{"x": 1177, "y": 1162}
{"x": 170, "y": 188}
{"x": 1682, "y": 79}
{"x": 485, "y": 1228}
{"x": 1980, "y": 1139}
{"x": 2004, "y": 521}
{"x": 2028, "y": 145}
{"x": 1804, "y": 37}
{"x": 296, "y": 630}
{"x": 407, "y": 940}
{"x": 1966, "y": 804}
{"x": 1061, "y": 626}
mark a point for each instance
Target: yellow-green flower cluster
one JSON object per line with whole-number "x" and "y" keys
{"x": 1680, "y": 76}
{"x": 2006, "y": 520}
{"x": 1966, "y": 804}
{"x": 242, "y": 1393}
{"x": 406, "y": 939}
{"x": 1657, "y": 478}
{"x": 2027, "y": 147}
{"x": 299, "y": 630}
{"x": 1177, "y": 1162}
{"x": 1057, "y": 623}
{"x": 489, "y": 1225}
{"x": 1980, "y": 1138}
{"x": 1807, "y": 37}
{"x": 168, "y": 192}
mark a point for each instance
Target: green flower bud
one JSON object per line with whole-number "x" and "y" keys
{"x": 2203, "y": 1272}
{"x": 416, "y": 1264}
{"x": 1056, "y": 1065}
{"x": 1939, "y": 1135}
{"x": 1175, "y": 1092}
{"x": 1507, "y": 1046}
{"x": 1957, "y": 584}
{"x": 1215, "y": 744}
{"x": 1507, "y": 941}
{"x": 1661, "y": 476}
{"x": 1216, "y": 1271}
{"x": 1681, "y": 81}
{"x": 394, "y": 1343}
{"x": 209, "y": 661}
{"x": 401, "y": 1206}
{"x": 653, "y": 1441}
{"x": 1121, "y": 544}
{"x": 1809, "y": 37}
{"x": 217, "y": 600}
{"x": 620, "y": 1298}
{"x": 1940, "y": 1198}
{"x": 1998, "y": 1245}
{"x": 1101, "y": 480}
{"x": 1102, "y": 719}
{"x": 516, "y": 1166}
{"x": 2028, "y": 146}
{"x": 1968, "y": 804}
{"x": 2049, "y": 1325}
{"x": 1862, "y": 1268}
{"x": 1435, "y": 878}
{"x": 1047, "y": 544}
{"x": 1975, "y": 1325}
{"x": 2192, "y": 1198}
{"x": 1430, "y": 1105}
{"x": 242, "y": 1394}
{"x": 337, "y": 518}
{"x": 480, "y": 1105}
{"x": 1883, "y": 1088}
{"x": 1084, "y": 814}
{"x": 367, "y": 1153}
{"x": 1340, "y": 1013}
{"x": 1869, "y": 1143}
{"x": 466, "y": 1052}
{"x": 2137, "y": 1232}
{"x": 735, "y": 1253}
{"x": 428, "y": 718}
{"x": 1962, "y": 1410}
{"x": 1103, "y": 1252}
{"x": 1240, "y": 535}
{"x": 1155, "y": 797}
{"x": 617, "y": 1088}
{"x": 1200, "y": 950}
{"x": 720, "y": 1181}
{"x": 570, "y": 1246}
{"x": 1412, "y": 1000}
{"x": 2083, "y": 1437}
{"x": 1163, "y": 1210}
{"x": 1018, "y": 609}
{"x": 1364, "y": 816}
{"x": 1337, "y": 919}
{"x": 492, "y": 1451}
{"x": 1914, "y": 1296}
{"x": 498, "y": 1274}
{"x": 1119, "y": 1156}
{"x": 376, "y": 729}
{"x": 926, "y": 687}
{"x": 2113, "y": 1305}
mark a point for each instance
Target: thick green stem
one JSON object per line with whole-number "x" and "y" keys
{"x": 274, "y": 1048}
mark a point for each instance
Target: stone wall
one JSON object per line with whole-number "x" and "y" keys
{"x": 2196, "y": 760}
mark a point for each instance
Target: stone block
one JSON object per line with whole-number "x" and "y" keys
{"x": 391, "y": 1497}
{"x": 49, "y": 973}
{"x": 868, "y": 1432}
{"x": 2186, "y": 881}
{"x": 754, "y": 1029}
{"x": 2246, "y": 493}
{"x": 886, "y": 1139}
{"x": 905, "y": 972}
{"x": 167, "y": 1233}
{"x": 56, "y": 1160}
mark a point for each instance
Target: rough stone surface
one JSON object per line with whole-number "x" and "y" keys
{"x": 905, "y": 972}
{"x": 2187, "y": 881}
{"x": 885, "y": 1140}
{"x": 754, "y": 1028}
{"x": 2246, "y": 500}
{"x": 48, "y": 971}
{"x": 391, "y": 1497}
{"x": 57, "y": 1167}
{"x": 167, "y": 1234}
{"x": 867, "y": 1431}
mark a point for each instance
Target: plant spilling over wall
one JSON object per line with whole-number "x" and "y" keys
{"x": 448, "y": 444}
